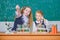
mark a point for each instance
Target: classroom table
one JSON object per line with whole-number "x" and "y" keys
{"x": 30, "y": 36}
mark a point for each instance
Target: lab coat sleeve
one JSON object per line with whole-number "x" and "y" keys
{"x": 34, "y": 28}
{"x": 46, "y": 22}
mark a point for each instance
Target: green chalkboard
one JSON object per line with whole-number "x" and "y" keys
{"x": 50, "y": 8}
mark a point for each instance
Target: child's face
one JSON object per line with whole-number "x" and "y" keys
{"x": 27, "y": 11}
{"x": 38, "y": 16}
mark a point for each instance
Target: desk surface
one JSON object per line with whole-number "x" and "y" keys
{"x": 30, "y": 34}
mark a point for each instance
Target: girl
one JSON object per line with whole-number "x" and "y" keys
{"x": 40, "y": 20}
{"x": 25, "y": 17}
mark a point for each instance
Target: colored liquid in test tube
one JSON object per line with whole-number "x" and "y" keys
{"x": 19, "y": 28}
{"x": 26, "y": 30}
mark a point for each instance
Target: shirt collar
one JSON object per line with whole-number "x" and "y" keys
{"x": 37, "y": 21}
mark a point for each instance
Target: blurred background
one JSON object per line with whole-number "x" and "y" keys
{"x": 50, "y": 9}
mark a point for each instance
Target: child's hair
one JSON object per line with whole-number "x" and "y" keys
{"x": 30, "y": 15}
{"x": 40, "y": 12}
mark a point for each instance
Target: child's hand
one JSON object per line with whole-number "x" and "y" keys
{"x": 17, "y": 7}
{"x": 39, "y": 25}
{"x": 18, "y": 12}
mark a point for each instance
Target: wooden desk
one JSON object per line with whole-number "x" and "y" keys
{"x": 30, "y": 36}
